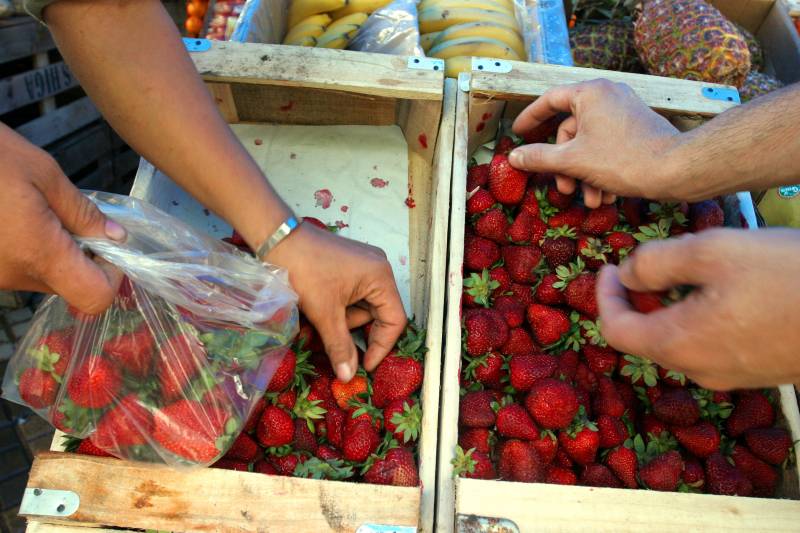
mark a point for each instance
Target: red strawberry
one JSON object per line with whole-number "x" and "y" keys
{"x": 478, "y": 325}
{"x": 486, "y": 369}
{"x": 37, "y": 388}
{"x": 646, "y": 302}
{"x": 334, "y": 426}
{"x": 584, "y": 400}
{"x": 255, "y": 415}
{"x": 546, "y": 445}
{"x": 284, "y": 375}
{"x": 180, "y": 359}
{"x": 265, "y": 467}
{"x": 581, "y": 443}
{"x": 478, "y": 290}
{"x": 303, "y": 439}
{"x": 126, "y": 424}
{"x": 133, "y": 352}
{"x": 285, "y": 464}
{"x": 548, "y": 323}
{"x": 479, "y": 201}
{"x": 676, "y": 407}
{"x": 601, "y": 359}
{"x": 557, "y": 199}
{"x": 572, "y": 218}
{"x": 607, "y": 400}
{"x": 663, "y": 472}
{"x": 671, "y": 378}
{"x": 585, "y": 379}
{"x": 559, "y": 246}
{"x": 328, "y": 453}
{"x": 546, "y": 293}
{"x": 724, "y": 478}
{"x": 567, "y": 365}
{"x": 53, "y": 352}
{"x": 311, "y": 340}
{"x": 704, "y": 215}
{"x": 625, "y": 465}
{"x": 560, "y": 476}
{"x": 403, "y": 419}
{"x": 650, "y": 425}
{"x": 633, "y": 209}
{"x": 320, "y": 390}
{"x": 580, "y": 294}
{"x": 244, "y": 448}
{"x": 95, "y": 383}
{"x": 701, "y": 439}
{"x": 601, "y": 220}
{"x": 275, "y": 428}
{"x": 511, "y": 309}
{"x": 521, "y": 230}
{"x": 693, "y": 473}
{"x": 475, "y": 410}
{"x": 518, "y": 461}
{"x": 523, "y": 293}
{"x": 518, "y": 343}
{"x": 544, "y": 132}
{"x": 530, "y": 204}
{"x": 506, "y": 183}
{"x": 563, "y": 460}
{"x": 343, "y": 393}
{"x": 502, "y": 277}
{"x": 751, "y": 410}
{"x": 504, "y": 145}
{"x": 525, "y": 370}
{"x": 480, "y": 253}
{"x": 231, "y": 464}
{"x": 595, "y": 475}
{"x": 552, "y": 403}
{"x": 612, "y": 431}
{"x": 627, "y": 394}
{"x": 514, "y": 422}
{"x": 492, "y": 225}
{"x": 621, "y": 243}
{"x": 287, "y": 399}
{"x": 481, "y": 439}
{"x": 87, "y": 447}
{"x": 538, "y": 230}
{"x": 769, "y": 444}
{"x": 190, "y": 430}
{"x": 477, "y": 176}
{"x": 593, "y": 251}
{"x": 359, "y": 441}
{"x": 397, "y": 468}
{"x": 473, "y": 464}
{"x": 521, "y": 262}
{"x": 762, "y": 476}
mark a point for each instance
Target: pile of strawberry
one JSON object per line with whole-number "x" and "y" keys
{"x": 544, "y": 398}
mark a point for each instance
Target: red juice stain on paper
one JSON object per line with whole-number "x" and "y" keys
{"x": 410, "y": 203}
{"x": 378, "y": 183}
{"x": 423, "y": 140}
{"x": 258, "y": 142}
{"x": 403, "y": 260}
{"x": 486, "y": 116}
{"x": 323, "y": 197}
{"x": 344, "y": 209}
{"x": 480, "y": 126}
{"x": 341, "y": 225}
{"x": 288, "y": 106}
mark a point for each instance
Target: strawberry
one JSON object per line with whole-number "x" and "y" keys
{"x": 625, "y": 465}
{"x": 255, "y": 415}
{"x": 704, "y": 215}
{"x": 544, "y": 132}
{"x": 596, "y": 475}
{"x": 621, "y": 243}
{"x": 397, "y": 468}
{"x": 506, "y": 183}
{"x": 530, "y": 204}
{"x": 538, "y": 230}
{"x": 607, "y": 400}
{"x": 473, "y": 464}
{"x": 503, "y": 278}
{"x": 514, "y": 422}
{"x": 724, "y": 478}
{"x": 284, "y": 374}
{"x": 403, "y": 419}
{"x": 525, "y": 370}
{"x": 53, "y": 352}
{"x": 132, "y": 351}
{"x": 600, "y": 359}
{"x": 693, "y": 474}
{"x": 671, "y": 377}
{"x": 492, "y": 225}
{"x": 567, "y": 365}
{"x": 594, "y": 252}
{"x": 521, "y": 229}
{"x": 751, "y": 410}
{"x": 662, "y": 472}
{"x": 480, "y": 439}
{"x": 585, "y": 379}
{"x": 504, "y": 145}
{"x": 399, "y": 374}
{"x": 522, "y": 262}
{"x": 650, "y": 425}
{"x": 190, "y": 430}
{"x": 769, "y": 444}
{"x": 37, "y": 388}
{"x": 287, "y": 399}
{"x": 475, "y": 410}
{"x": 634, "y": 211}
{"x": 546, "y": 292}
{"x": 552, "y": 403}
{"x": 702, "y": 439}
{"x": 359, "y": 441}
{"x": 480, "y": 201}
{"x": 308, "y": 337}
{"x": 275, "y": 428}
{"x": 523, "y": 293}
{"x": 558, "y": 246}
{"x": 558, "y": 199}
{"x": 480, "y": 253}
{"x": 334, "y": 426}
{"x": 94, "y": 383}
{"x": 320, "y": 390}
{"x": 87, "y": 447}
{"x": 600, "y": 220}
{"x": 481, "y": 327}
{"x": 646, "y": 302}
{"x": 628, "y": 395}
{"x": 342, "y": 392}
{"x": 762, "y": 476}
{"x": 244, "y": 448}
{"x": 560, "y": 476}
{"x": 572, "y": 217}
{"x": 584, "y": 401}
{"x": 231, "y": 464}
{"x": 676, "y": 407}
{"x": 580, "y": 442}
{"x": 563, "y": 460}
{"x": 612, "y": 431}
{"x": 546, "y": 445}
{"x": 478, "y": 290}
{"x": 180, "y": 359}
{"x": 518, "y": 461}
{"x": 477, "y": 176}
{"x": 126, "y": 424}
{"x": 303, "y": 438}
{"x": 486, "y": 369}
{"x": 285, "y": 464}
{"x": 511, "y": 309}
{"x": 328, "y": 453}
{"x": 265, "y": 467}
{"x": 548, "y": 323}
{"x": 519, "y": 343}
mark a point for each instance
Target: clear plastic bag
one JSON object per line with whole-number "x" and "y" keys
{"x": 171, "y": 372}
{"x": 392, "y": 29}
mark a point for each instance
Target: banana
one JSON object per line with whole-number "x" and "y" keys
{"x": 488, "y": 30}
{"x": 322, "y": 20}
{"x": 426, "y": 40}
{"x": 473, "y": 46}
{"x": 455, "y": 65}
{"x": 359, "y": 6}
{"x": 303, "y": 41}
{"x": 301, "y": 9}
{"x": 438, "y": 19}
{"x": 302, "y": 31}
{"x": 338, "y": 37}
{"x": 356, "y": 18}
{"x": 492, "y": 5}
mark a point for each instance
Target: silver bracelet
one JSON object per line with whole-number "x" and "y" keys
{"x": 283, "y": 231}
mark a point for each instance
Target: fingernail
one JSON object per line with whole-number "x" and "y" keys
{"x": 114, "y": 231}
{"x": 515, "y": 158}
{"x": 344, "y": 372}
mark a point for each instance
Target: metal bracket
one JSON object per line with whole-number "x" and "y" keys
{"x": 382, "y": 528}
{"x": 487, "y": 64}
{"x": 196, "y": 45}
{"x": 722, "y": 93}
{"x": 464, "y": 81}
{"x": 484, "y": 524}
{"x": 49, "y": 502}
{"x": 426, "y": 63}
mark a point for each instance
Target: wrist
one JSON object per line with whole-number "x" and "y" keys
{"x": 284, "y": 230}
{"x": 670, "y": 171}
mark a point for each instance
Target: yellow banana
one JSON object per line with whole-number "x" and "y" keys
{"x": 438, "y": 19}
{"x": 338, "y": 37}
{"x": 453, "y": 66}
{"x": 473, "y": 46}
{"x": 488, "y": 30}
{"x": 303, "y": 30}
{"x": 356, "y": 18}
{"x": 302, "y": 9}
{"x": 493, "y": 5}
{"x": 303, "y": 41}
{"x": 426, "y": 40}
{"x": 321, "y": 20}
{"x": 359, "y": 6}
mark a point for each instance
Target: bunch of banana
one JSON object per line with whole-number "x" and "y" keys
{"x": 328, "y": 23}
{"x": 457, "y": 30}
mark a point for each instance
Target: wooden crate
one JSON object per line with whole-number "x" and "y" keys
{"x": 465, "y": 504}
{"x": 253, "y": 83}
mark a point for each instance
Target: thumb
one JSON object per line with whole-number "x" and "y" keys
{"x": 338, "y": 344}
{"x": 78, "y": 214}
{"x": 539, "y": 157}
{"x": 662, "y": 265}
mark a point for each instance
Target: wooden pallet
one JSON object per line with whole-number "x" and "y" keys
{"x": 478, "y": 505}
{"x": 253, "y": 83}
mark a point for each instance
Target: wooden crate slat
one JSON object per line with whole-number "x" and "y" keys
{"x": 60, "y": 122}
{"x": 158, "y": 497}
{"x": 82, "y": 149}
{"x": 22, "y": 37}
{"x": 35, "y": 85}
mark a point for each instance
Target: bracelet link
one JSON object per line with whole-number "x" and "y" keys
{"x": 283, "y": 231}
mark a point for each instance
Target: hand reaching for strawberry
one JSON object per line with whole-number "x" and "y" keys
{"x": 39, "y": 208}
{"x": 737, "y": 328}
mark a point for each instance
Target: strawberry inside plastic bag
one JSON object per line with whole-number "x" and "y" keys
{"x": 171, "y": 371}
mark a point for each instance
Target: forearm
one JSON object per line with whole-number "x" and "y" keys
{"x": 129, "y": 58}
{"x": 751, "y": 147}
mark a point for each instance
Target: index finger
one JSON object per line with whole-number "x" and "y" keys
{"x": 552, "y": 102}
{"x": 390, "y": 321}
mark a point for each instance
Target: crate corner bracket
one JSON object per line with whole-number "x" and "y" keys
{"x": 487, "y": 64}
{"x": 426, "y": 63}
{"x": 49, "y": 502}
{"x": 196, "y": 45}
{"x": 724, "y": 94}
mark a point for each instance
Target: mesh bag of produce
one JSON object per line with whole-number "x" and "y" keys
{"x": 171, "y": 371}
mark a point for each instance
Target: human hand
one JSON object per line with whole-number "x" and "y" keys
{"x": 612, "y": 142}
{"x": 738, "y": 328}
{"x": 39, "y": 208}
{"x": 343, "y": 284}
